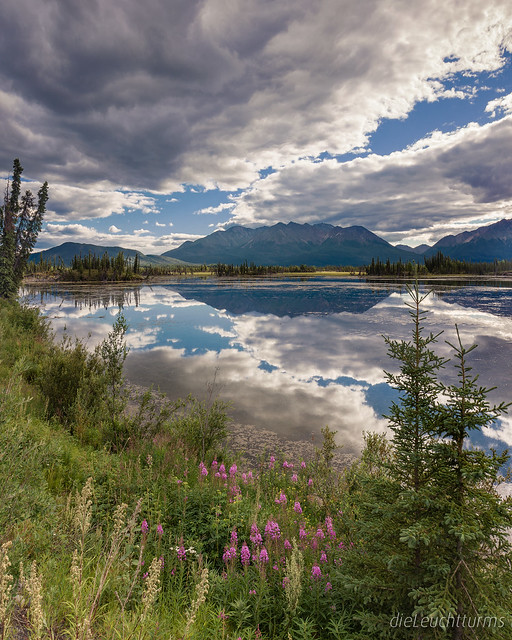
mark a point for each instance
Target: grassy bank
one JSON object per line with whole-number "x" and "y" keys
{"x": 143, "y": 526}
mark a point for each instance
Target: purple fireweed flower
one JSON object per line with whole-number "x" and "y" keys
{"x": 328, "y": 586}
{"x": 145, "y": 575}
{"x": 320, "y": 534}
{"x": 244, "y": 478}
{"x": 281, "y": 499}
{"x": 314, "y": 544}
{"x": 217, "y": 474}
{"x": 323, "y": 557}
{"x": 310, "y": 482}
{"x": 272, "y": 530}
{"x": 255, "y": 536}
{"x": 245, "y": 555}
{"x": 222, "y": 468}
{"x": 295, "y": 477}
{"x": 182, "y": 554}
{"x": 144, "y": 527}
{"x": 234, "y": 538}
{"x": 302, "y": 464}
{"x": 160, "y": 530}
{"x": 162, "y": 563}
{"x": 286, "y": 582}
{"x": 272, "y": 462}
{"x": 316, "y": 572}
{"x": 330, "y": 529}
{"x": 229, "y": 554}
{"x": 214, "y": 464}
{"x": 275, "y": 567}
{"x": 263, "y": 558}
{"x": 203, "y": 470}
{"x": 297, "y": 508}
{"x": 302, "y": 532}
{"x": 252, "y": 592}
{"x": 233, "y": 470}
{"x": 287, "y": 544}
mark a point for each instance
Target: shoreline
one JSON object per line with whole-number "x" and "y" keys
{"x": 252, "y": 443}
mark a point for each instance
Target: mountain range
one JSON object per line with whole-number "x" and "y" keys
{"x": 317, "y": 244}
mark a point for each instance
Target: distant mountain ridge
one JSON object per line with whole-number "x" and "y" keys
{"x": 484, "y": 244}
{"x": 68, "y": 250}
{"x": 292, "y": 243}
{"x": 313, "y": 244}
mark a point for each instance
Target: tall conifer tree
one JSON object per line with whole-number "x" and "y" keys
{"x": 20, "y": 223}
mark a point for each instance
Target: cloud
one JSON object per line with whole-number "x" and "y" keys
{"x": 499, "y": 106}
{"x": 114, "y": 229}
{"x": 208, "y": 92}
{"x": 54, "y": 234}
{"x": 426, "y": 189}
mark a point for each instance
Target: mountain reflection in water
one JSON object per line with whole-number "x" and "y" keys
{"x": 292, "y": 355}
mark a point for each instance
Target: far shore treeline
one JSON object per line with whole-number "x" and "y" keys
{"x": 94, "y": 267}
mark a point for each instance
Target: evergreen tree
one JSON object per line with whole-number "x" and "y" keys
{"x": 430, "y": 529}
{"x": 20, "y": 223}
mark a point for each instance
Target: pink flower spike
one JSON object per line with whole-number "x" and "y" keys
{"x": 144, "y": 527}
{"x": 233, "y": 470}
{"x": 316, "y": 572}
{"x": 263, "y": 556}
{"x": 245, "y": 555}
{"x": 323, "y": 557}
{"x": 295, "y": 477}
{"x": 287, "y": 544}
{"x": 297, "y": 508}
{"x": 160, "y": 530}
{"x": 328, "y": 586}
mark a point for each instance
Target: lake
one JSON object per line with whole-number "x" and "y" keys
{"x": 291, "y": 354}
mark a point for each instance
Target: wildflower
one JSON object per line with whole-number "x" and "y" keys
{"x": 223, "y": 616}
{"x": 302, "y": 532}
{"x": 203, "y": 470}
{"x": 320, "y": 534}
{"x": 234, "y": 538}
{"x": 316, "y": 572}
{"x": 287, "y": 544}
{"x": 182, "y": 554}
{"x": 275, "y": 567}
{"x": 330, "y": 529}
{"x": 272, "y": 530}
{"x": 263, "y": 558}
{"x": 286, "y": 582}
{"x": 245, "y": 555}
{"x": 282, "y": 499}
{"x": 272, "y": 462}
{"x": 162, "y": 563}
{"x": 244, "y": 478}
{"x": 314, "y": 544}
{"x": 323, "y": 557}
{"x": 215, "y": 464}
{"x": 233, "y": 470}
{"x": 145, "y": 575}
{"x": 229, "y": 554}
{"x": 217, "y": 474}
{"x": 295, "y": 477}
{"x": 160, "y": 530}
{"x": 222, "y": 469}
{"x": 144, "y": 527}
{"x": 310, "y": 482}
{"x": 252, "y": 592}
{"x": 302, "y": 464}
{"x": 328, "y": 586}
{"x": 297, "y": 508}
{"x": 255, "y": 536}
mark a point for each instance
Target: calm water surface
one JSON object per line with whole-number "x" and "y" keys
{"x": 291, "y": 355}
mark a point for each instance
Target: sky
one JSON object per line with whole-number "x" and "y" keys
{"x": 162, "y": 121}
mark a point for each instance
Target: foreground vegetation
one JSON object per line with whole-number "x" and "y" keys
{"x": 117, "y": 524}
